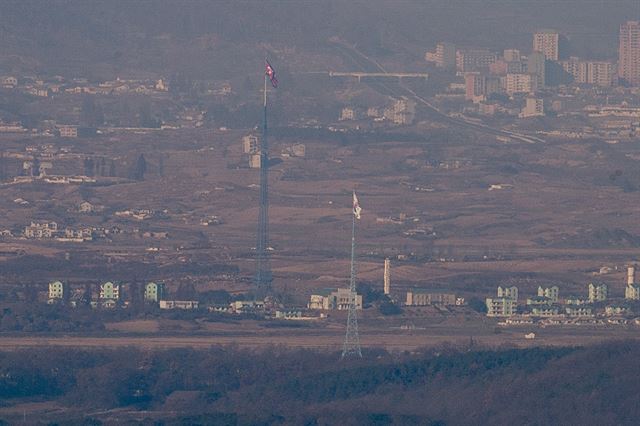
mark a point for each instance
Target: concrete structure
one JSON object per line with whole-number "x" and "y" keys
{"x": 511, "y": 55}
{"x": 538, "y": 300}
{"x": 422, "y": 297}
{"x": 254, "y": 161}
{"x": 56, "y": 291}
{"x": 68, "y": 131}
{"x": 629, "y": 53}
{"x": 179, "y": 304}
{"x": 402, "y": 111}
{"x": 520, "y": 83}
{"x": 598, "y": 292}
{"x": 474, "y": 59}
{"x": 508, "y": 293}
{"x": 599, "y": 73}
{"x": 41, "y": 230}
{"x": 548, "y": 43}
{"x": 250, "y": 144}
{"x": 444, "y": 56}
{"x": 109, "y": 291}
{"x": 578, "y": 311}
{"x": 475, "y": 86}
{"x": 387, "y": 276}
{"x": 534, "y": 107}
{"x": 544, "y": 311}
{"x": 551, "y": 293}
{"x": 536, "y": 65}
{"x": 153, "y": 292}
{"x": 347, "y": 113}
{"x": 333, "y": 299}
{"x": 500, "y": 307}
{"x": 632, "y": 290}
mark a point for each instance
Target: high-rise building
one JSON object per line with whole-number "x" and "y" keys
{"x": 600, "y": 73}
{"x": 511, "y": 55}
{"x": 520, "y": 83}
{"x": 534, "y": 107}
{"x": 444, "y": 56}
{"x": 629, "y": 53}
{"x": 536, "y": 65}
{"x": 474, "y": 83}
{"x": 547, "y": 42}
{"x": 474, "y": 59}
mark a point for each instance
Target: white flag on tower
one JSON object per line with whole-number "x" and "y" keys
{"x": 356, "y": 206}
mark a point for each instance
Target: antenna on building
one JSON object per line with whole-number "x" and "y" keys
{"x": 387, "y": 276}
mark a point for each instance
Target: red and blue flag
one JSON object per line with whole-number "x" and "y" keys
{"x": 271, "y": 73}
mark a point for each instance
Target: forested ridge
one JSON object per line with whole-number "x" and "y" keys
{"x": 593, "y": 385}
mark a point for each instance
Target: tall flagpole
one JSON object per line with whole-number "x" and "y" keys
{"x": 263, "y": 275}
{"x": 351, "y": 346}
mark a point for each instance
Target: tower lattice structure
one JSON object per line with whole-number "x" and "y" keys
{"x": 351, "y": 346}
{"x": 263, "y": 276}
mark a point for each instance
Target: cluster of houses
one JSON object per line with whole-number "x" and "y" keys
{"x": 251, "y": 148}
{"x": 400, "y": 112}
{"x": 50, "y": 230}
{"x": 110, "y": 296}
{"x": 548, "y": 305}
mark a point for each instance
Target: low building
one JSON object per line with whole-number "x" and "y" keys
{"x": 598, "y": 292}
{"x": 179, "y": 304}
{"x": 247, "y": 306}
{"x": 534, "y": 107}
{"x": 289, "y": 314}
{"x": 544, "y": 311}
{"x": 68, "y": 131}
{"x": 500, "y": 307}
{"x": 41, "y": 230}
{"x": 422, "y": 297}
{"x": 575, "y": 300}
{"x": 153, "y": 292}
{"x": 56, "y": 291}
{"x": 575, "y": 311}
{"x": 250, "y": 144}
{"x": 333, "y": 299}
{"x": 539, "y": 300}
{"x": 616, "y": 310}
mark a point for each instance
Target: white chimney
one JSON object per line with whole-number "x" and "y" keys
{"x": 387, "y": 276}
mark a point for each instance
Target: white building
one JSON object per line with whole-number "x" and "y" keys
{"x": 56, "y": 291}
{"x": 508, "y": 293}
{"x": 250, "y": 144}
{"x": 520, "y": 83}
{"x": 534, "y": 107}
{"x": 333, "y": 299}
{"x": 500, "y": 307}
{"x": 598, "y": 292}
{"x": 444, "y": 56}
{"x": 179, "y": 304}
{"x": 547, "y": 42}
{"x": 551, "y": 293}
{"x": 632, "y": 290}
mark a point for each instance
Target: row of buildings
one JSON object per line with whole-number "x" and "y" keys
{"x": 550, "y": 46}
{"x": 546, "y": 302}
{"x": 400, "y": 111}
{"x": 109, "y": 294}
